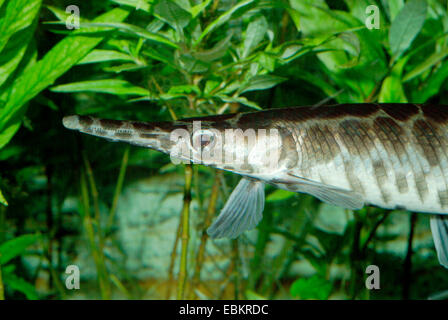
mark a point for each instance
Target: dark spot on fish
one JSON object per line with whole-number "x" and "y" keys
{"x": 400, "y": 111}
{"x": 381, "y": 177}
{"x": 443, "y": 198}
{"x": 110, "y": 124}
{"x": 400, "y": 207}
{"x": 435, "y": 113}
{"x": 142, "y": 126}
{"x": 85, "y": 121}
{"x": 401, "y": 182}
{"x": 380, "y": 171}
{"x": 421, "y": 185}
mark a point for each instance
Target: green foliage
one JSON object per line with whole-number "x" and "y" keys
{"x": 159, "y": 60}
{"x": 406, "y": 25}
{"x": 12, "y": 249}
{"x": 315, "y": 287}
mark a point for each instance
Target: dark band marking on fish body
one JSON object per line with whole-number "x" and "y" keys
{"x": 85, "y": 121}
{"x": 109, "y": 124}
{"x": 389, "y": 132}
{"x": 436, "y": 137}
{"x": 435, "y": 113}
{"x": 421, "y": 185}
{"x": 289, "y": 153}
{"x": 367, "y": 140}
{"x": 324, "y": 146}
{"x": 424, "y": 137}
{"x": 400, "y": 112}
{"x": 328, "y": 135}
{"x": 316, "y": 156}
{"x": 351, "y": 135}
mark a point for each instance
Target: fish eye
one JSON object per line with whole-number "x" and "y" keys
{"x": 202, "y": 139}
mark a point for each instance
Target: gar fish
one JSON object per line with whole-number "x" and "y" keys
{"x": 393, "y": 156}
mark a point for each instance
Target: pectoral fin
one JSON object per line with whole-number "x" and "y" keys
{"x": 439, "y": 229}
{"x": 242, "y": 212}
{"x": 333, "y": 195}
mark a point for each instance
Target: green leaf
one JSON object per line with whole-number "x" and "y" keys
{"x": 137, "y": 4}
{"x": 254, "y": 34}
{"x": 241, "y": 100}
{"x": 223, "y": 19}
{"x": 21, "y": 285}
{"x": 315, "y": 287}
{"x": 128, "y": 28}
{"x": 263, "y": 82}
{"x": 215, "y": 53}
{"x": 2, "y": 199}
{"x": 13, "y": 52}
{"x": 192, "y": 64}
{"x": 15, "y": 16}
{"x": 432, "y": 60}
{"x": 112, "y": 86}
{"x": 105, "y": 55}
{"x": 37, "y": 77}
{"x": 392, "y": 87}
{"x": 406, "y": 25}
{"x": 172, "y": 14}
{"x": 16, "y": 247}
{"x": 432, "y": 85}
{"x": 187, "y": 88}
{"x": 197, "y": 9}
{"x": 124, "y": 67}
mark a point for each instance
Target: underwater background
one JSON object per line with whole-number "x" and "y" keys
{"x": 118, "y": 215}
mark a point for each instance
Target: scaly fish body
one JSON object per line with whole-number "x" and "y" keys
{"x": 388, "y": 155}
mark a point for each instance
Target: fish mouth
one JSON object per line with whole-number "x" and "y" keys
{"x": 70, "y": 122}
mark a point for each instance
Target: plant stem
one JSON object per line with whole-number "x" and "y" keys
{"x": 2, "y": 288}
{"x": 407, "y": 266}
{"x": 185, "y": 232}
{"x": 204, "y": 237}
{"x": 173, "y": 258}
{"x": 98, "y": 257}
{"x": 118, "y": 187}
